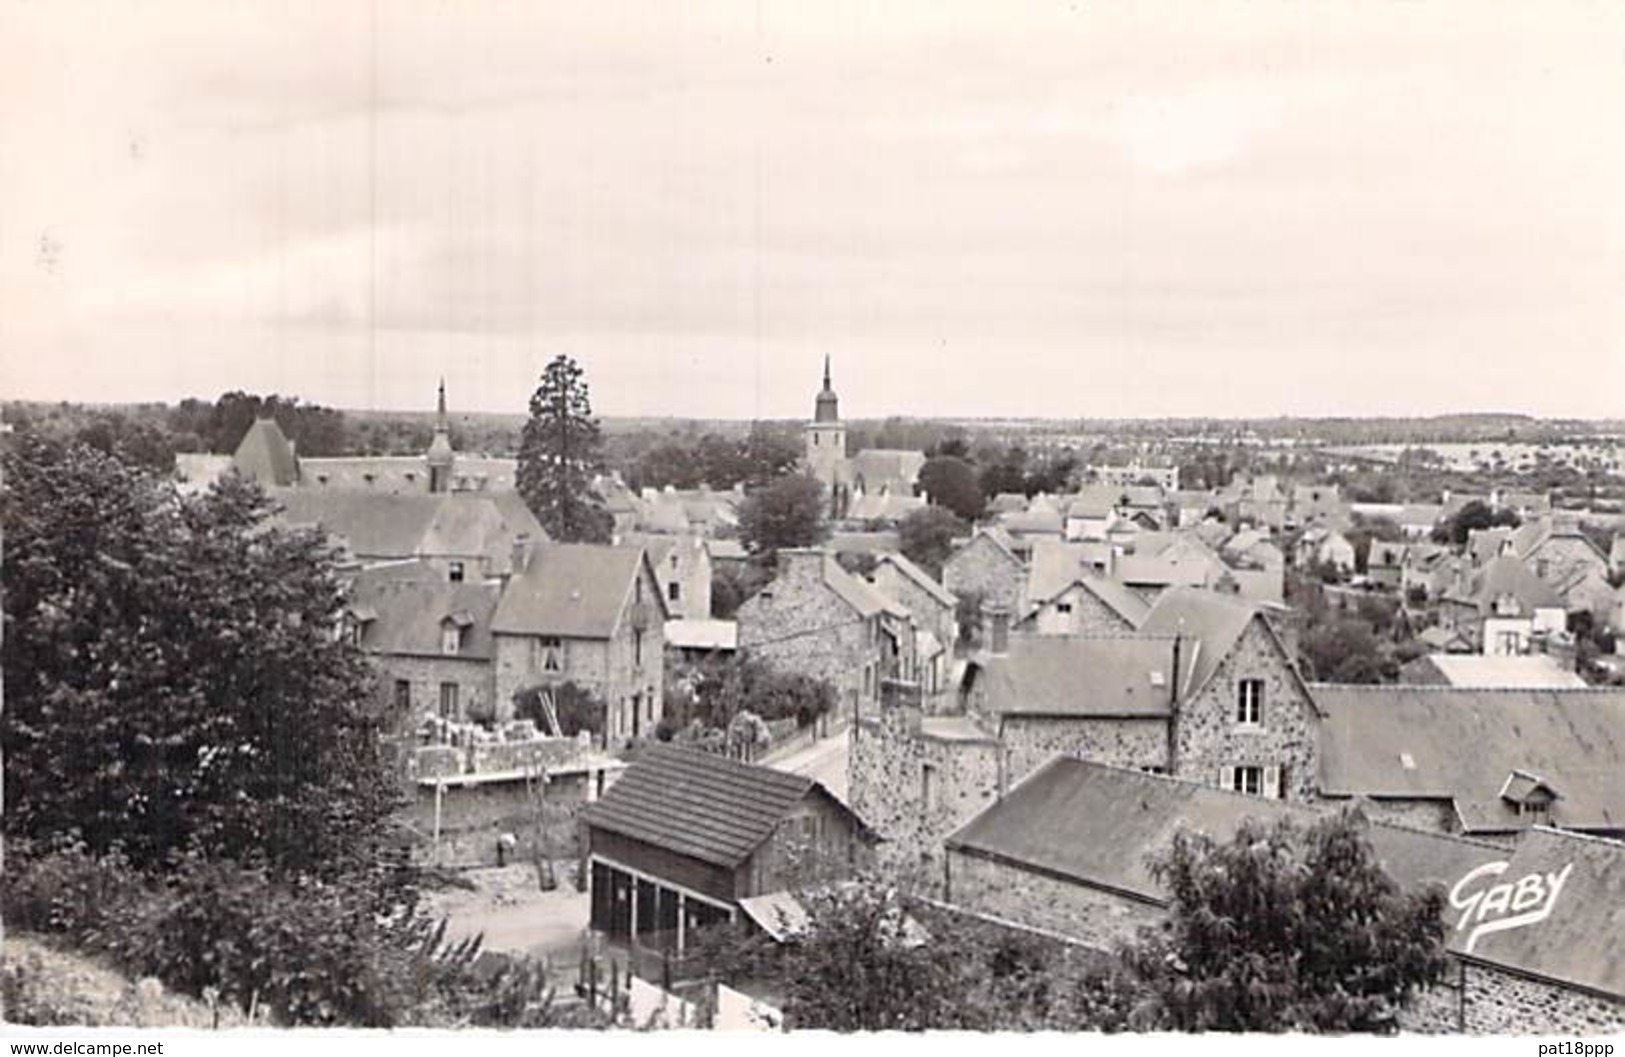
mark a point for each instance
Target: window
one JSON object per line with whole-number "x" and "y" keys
{"x": 448, "y": 701}
{"x": 1249, "y": 780}
{"x": 1064, "y": 608}
{"x": 928, "y": 786}
{"x": 674, "y": 591}
{"x": 637, "y": 590}
{"x": 1250, "y": 702}
{"x": 637, "y": 647}
{"x": 455, "y": 572}
{"x": 674, "y": 560}
{"x": 451, "y": 638}
{"x": 403, "y": 695}
{"x": 552, "y": 652}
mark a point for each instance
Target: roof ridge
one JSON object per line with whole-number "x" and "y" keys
{"x": 1445, "y": 688}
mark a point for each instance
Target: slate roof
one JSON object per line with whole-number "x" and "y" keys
{"x": 1078, "y": 675}
{"x": 1461, "y": 743}
{"x": 1032, "y": 522}
{"x": 1095, "y": 824}
{"x": 404, "y": 525}
{"x": 698, "y": 804}
{"x": 1113, "y": 594}
{"x": 920, "y": 578}
{"x": 1507, "y": 575}
{"x": 1582, "y": 941}
{"x": 1213, "y": 620}
{"x": 895, "y": 468}
{"x": 572, "y": 590}
{"x": 409, "y": 614}
{"x": 1095, "y": 501}
{"x": 264, "y": 455}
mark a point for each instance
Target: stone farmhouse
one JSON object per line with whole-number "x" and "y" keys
{"x": 986, "y": 566}
{"x": 683, "y": 566}
{"x": 819, "y": 620}
{"x": 1066, "y": 851}
{"x": 587, "y": 614}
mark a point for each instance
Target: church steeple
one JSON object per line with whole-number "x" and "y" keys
{"x": 827, "y": 408}
{"x": 441, "y": 455}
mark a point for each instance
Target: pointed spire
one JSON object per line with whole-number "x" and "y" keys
{"x": 826, "y": 372}
{"x": 441, "y": 406}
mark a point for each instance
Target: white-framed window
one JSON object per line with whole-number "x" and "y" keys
{"x": 1252, "y": 779}
{"x": 448, "y": 701}
{"x": 451, "y": 638}
{"x": 1250, "y": 702}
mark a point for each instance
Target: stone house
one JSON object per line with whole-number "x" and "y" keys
{"x": 1385, "y": 563}
{"x": 1066, "y": 851}
{"x": 591, "y": 615}
{"x": 818, "y": 620}
{"x": 1503, "y": 608}
{"x": 932, "y": 609}
{"x": 1319, "y": 545}
{"x": 1091, "y": 513}
{"x": 1318, "y": 504}
{"x": 429, "y": 639}
{"x": 1205, "y": 688}
{"x": 683, "y": 836}
{"x": 682, "y": 564}
{"x": 987, "y": 566}
{"x": 1088, "y": 605}
{"x": 1554, "y": 549}
{"x": 1489, "y": 762}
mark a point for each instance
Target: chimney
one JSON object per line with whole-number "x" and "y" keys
{"x": 520, "y": 558}
{"x": 998, "y": 628}
{"x": 901, "y": 705}
{"x": 1174, "y": 680}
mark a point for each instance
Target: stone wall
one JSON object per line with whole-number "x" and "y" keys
{"x": 798, "y": 624}
{"x": 1208, "y": 737}
{"x": 473, "y": 816}
{"x": 1483, "y": 1000}
{"x": 475, "y": 679}
{"x": 1032, "y": 740}
{"x": 982, "y": 567}
{"x": 887, "y": 786}
{"x": 1432, "y": 816}
{"x": 1098, "y": 918}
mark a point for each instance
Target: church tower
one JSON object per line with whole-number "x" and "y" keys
{"x": 825, "y": 440}
{"x": 441, "y": 457}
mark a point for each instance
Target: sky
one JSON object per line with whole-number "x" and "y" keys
{"x": 976, "y": 209}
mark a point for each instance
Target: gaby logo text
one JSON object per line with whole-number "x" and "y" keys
{"x": 1487, "y": 908}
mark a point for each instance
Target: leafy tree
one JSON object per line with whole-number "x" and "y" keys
{"x": 1367, "y": 531}
{"x": 1286, "y": 929}
{"x": 172, "y": 676}
{"x": 951, "y": 482}
{"x": 1476, "y": 515}
{"x": 138, "y": 442}
{"x": 789, "y": 512}
{"x": 716, "y": 691}
{"x": 1344, "y": 650}
{"x": 732, "y": 583}
{"x": 559, "y": 452}
{"x": 926, "y": 537}
{"x": 1003, "y": 470}
{"x": 578, "y": 708}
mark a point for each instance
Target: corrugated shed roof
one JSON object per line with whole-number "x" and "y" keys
{"x": 1096, "y": 824}
{"x": 1079, "y": 675}
{"x": 698, "y": 804}
{"x": 1462, "y": 743}
{"x": 572, "y": 590}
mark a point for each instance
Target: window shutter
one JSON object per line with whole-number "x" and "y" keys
{"x": 1272, "y": 782}
{"x": 1227, "y": 778}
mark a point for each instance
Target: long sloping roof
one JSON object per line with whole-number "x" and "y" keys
{"x": 571, "y": 590}
{"x": 1096, "y": 824}
{"x": 404, "y": 525}
{"x": 698, "y": 804}
{"x": 409, "y": 615}
{"x": 1460, "y": 744}
{"x": 1509, "y": 576}
{"x": 1080, "y": 675}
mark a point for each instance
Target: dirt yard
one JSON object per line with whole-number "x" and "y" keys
{"x": 514, "y": 914}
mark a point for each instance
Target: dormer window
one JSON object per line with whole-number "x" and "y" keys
{"x": 451, "y": 639}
